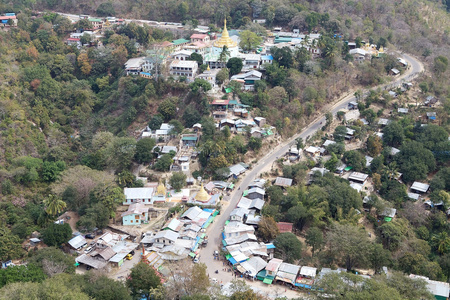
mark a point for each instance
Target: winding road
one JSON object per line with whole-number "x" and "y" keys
{"x": 215, "y": 230}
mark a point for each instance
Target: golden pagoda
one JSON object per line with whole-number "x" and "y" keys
{"x": 225, "y": 39}
{"x": 161, "y": 189}
{"x": 202, "y": 195}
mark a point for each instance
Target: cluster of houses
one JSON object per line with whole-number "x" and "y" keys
{"x": 179, "y": 238}
{"x": 110, "y": 248}
{"x": 255, "y": 259}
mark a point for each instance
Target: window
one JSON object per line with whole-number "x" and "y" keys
{"x": 136, "y": 217}
{"x": 131, "y": 221}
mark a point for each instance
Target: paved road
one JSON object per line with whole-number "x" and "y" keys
{"x": 215, "y": 230}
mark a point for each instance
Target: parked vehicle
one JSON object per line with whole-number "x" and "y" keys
{"x": 89, "y": 236}
{"x": 216, "y": 253}
{"x": 88, "y": 249}
{"x": 129, "y": 256}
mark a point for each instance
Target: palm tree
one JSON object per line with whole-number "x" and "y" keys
{"x": 223, "y": 57}
{"x": 392, "y": 170}
{"x": 54, "y": 205}
{"x": 441, "y": 242}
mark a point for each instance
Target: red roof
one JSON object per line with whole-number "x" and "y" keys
{"x": 284, "y": 227}
{"x": 73, "y": 39}
{"x": 7, "y": 17}
{"x": 198, "y": 36}
{"x": 220, "y": 102}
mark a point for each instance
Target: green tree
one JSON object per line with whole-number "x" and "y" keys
{"x": 355, "y": 159}
{"x": 144, "y": 148}
{"x": 142, "y": 279}
{"x": 168, "y": 109}
{"x": 288, "y": 247}
{"x": 156, "y": 121}
{"x": 374, "y": 145}
{"x": 249, "y": 40}
{"x": 51, "y": 170}
{"x": 222, "y": 75}
{"x": 223, "y": 56}
{"x": 235, "y": 65}
{"x": 200, "y": 85}
{"x": 299, "y": 143}
{"x": 254, "y": 143}
{"x": 331, "y": 164}
{"x": 245, "y": 295}
{"x": 57, "y": 234}
{"x": 299, "y": 215}
{"x": 441, "y": 242}
{"x": 54, "y": 205}
{"x": 163, "y": 163}
{"x": 178, "y": 181}
{"x": 96, "y": 216}
{"x": 121, "y": 153}
{"x": 106, "y": 10}
{"x": 22, "y": 273}
{"x": 393, "y": 134}
{"x": 340, "y": 133}
{"x": 104, "y": 288}
{"x": 53, "y": 261}
{"x": 196, "y": 57}
{"x": 10, "y": 245}
{"x": 349, "y": 244}
{"x": 314, "y": 239}
{"x": 415, "y": 161}
{"x": 440, "y": 64}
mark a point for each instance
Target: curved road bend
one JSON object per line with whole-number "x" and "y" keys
{"x": 215, "y": 230}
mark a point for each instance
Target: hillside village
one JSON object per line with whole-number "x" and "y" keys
{"x": 238, "y": 156}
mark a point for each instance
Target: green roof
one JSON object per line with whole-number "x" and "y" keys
{"x": 228, "y": 90}
{"x": 387, "y": 219}
{"x": 189, "y": 138}
{"x": 180, "y": 41}
{"x": 267, "y": 281}
{"x": 95, "y": 20}
{"x": 233, "y": 102}
{"x": 245, "y": 193}
{"x": 282, "y": 40}
{"x": 348, "y": 168}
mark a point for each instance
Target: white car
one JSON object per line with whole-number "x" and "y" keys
{"x": 196, "y": 260}
{"x": 214, "y": 280}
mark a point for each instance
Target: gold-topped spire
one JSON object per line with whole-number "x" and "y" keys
{"x": 202, "y": 195}
{"x": 225, "y": 39}
{"x": 208, "y": 69}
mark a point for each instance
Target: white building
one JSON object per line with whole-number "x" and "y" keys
{"x": 187, "y": 68}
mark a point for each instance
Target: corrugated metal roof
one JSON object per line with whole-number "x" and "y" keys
{"x": 281, "y": 181}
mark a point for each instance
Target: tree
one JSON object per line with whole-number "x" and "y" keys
{"x": 299, "y": 143}
{"x": 378, "y": 257}
{"x": 374, "y": 145}
{"x": 105, "y": 10}
{"x": 144, "y": 148}
{"x": 168, "y": 109}
{"x": 349, "y": 244}
{"x": 163, "y": 163}
{"x": 85, "y": 39}
{"x": 51, "y": 170}
{"x": 283, "y": 56}
{"x": 24, "y": 273}
{"x": 83, "y": 63}
{"x": 355, "y": 159}
{"x": 288, "y": 247}
{"x": 104, "y": 288}
{"x": 249, "y": 40}
{"x": 222, "y": 75}
{"x": 440, "y": 64}
{"x": 53, "y": 261}
{"x": 424, "y": 87}
{"x": 57, "y": 234}
{"x": 156, "y": 121}
{"x": 298, "y": 215}
{"x": 142, "y": 279}
{"x": 223, "y": 56}
{"x": 84, "y": 24}
{"x": 254, "y": 143}
{"x": 196, "y": 57}
{"x": 314, "y": 239}
{"x": 200, "y": 85}
{"x": 235, "y": 65}
{"x": 393, "y": 134}
{"x": 121, "y": 153}
{"x": 441, "y": 242}
{"x": 267, "y": 228}
{"x": 54, "y": 205}
{"x": 339, "y": 133}
{"x": 96, "y": 216}
{"x": 10, "y": 245}
{"x": 245, "y": 295}
{"x": 178, "y": 180}
{"x": 415, "y": 161}
{"x": 331, "y": 164}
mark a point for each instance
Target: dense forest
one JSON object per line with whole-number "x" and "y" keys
{"x": 68, "y": 119}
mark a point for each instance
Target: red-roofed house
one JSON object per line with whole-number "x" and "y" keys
{"x": 74, "y": 41}
{"x": 4, "y": 21}
{"x": 219, "y": 104}
{"x": 198, "y": 37}
{"x": 284, "y": 227}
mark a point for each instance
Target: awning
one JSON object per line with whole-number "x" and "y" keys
{"x": 241, "y": 269}
{"x": 387, "y": 219}
{"x": 192, "y": 254}
{"x": 224, "y": 243}
{"x": 245, "y": 193}
{"x": 226, "y": 222}
{"x": 203, "y": 235}
{"x": 267, "y": 281}
{"x": 232, "y": 261}
{"x": 216, "y": 213}
{"x": 231, "y": 186}
{"x": 228, "y": 256}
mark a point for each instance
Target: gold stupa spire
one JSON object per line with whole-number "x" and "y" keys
{"x": 225, "y": 39}
{"x": 208, "y": 69}
{"x": 202, "y": 195}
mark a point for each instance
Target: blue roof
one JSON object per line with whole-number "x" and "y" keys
{"x": 232, "y": 261}
{"x": 270, "y": 246}
{"x": 145, "y": 73}
{"x": 266, "y": 57}
{"x": 210, "y": 210}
